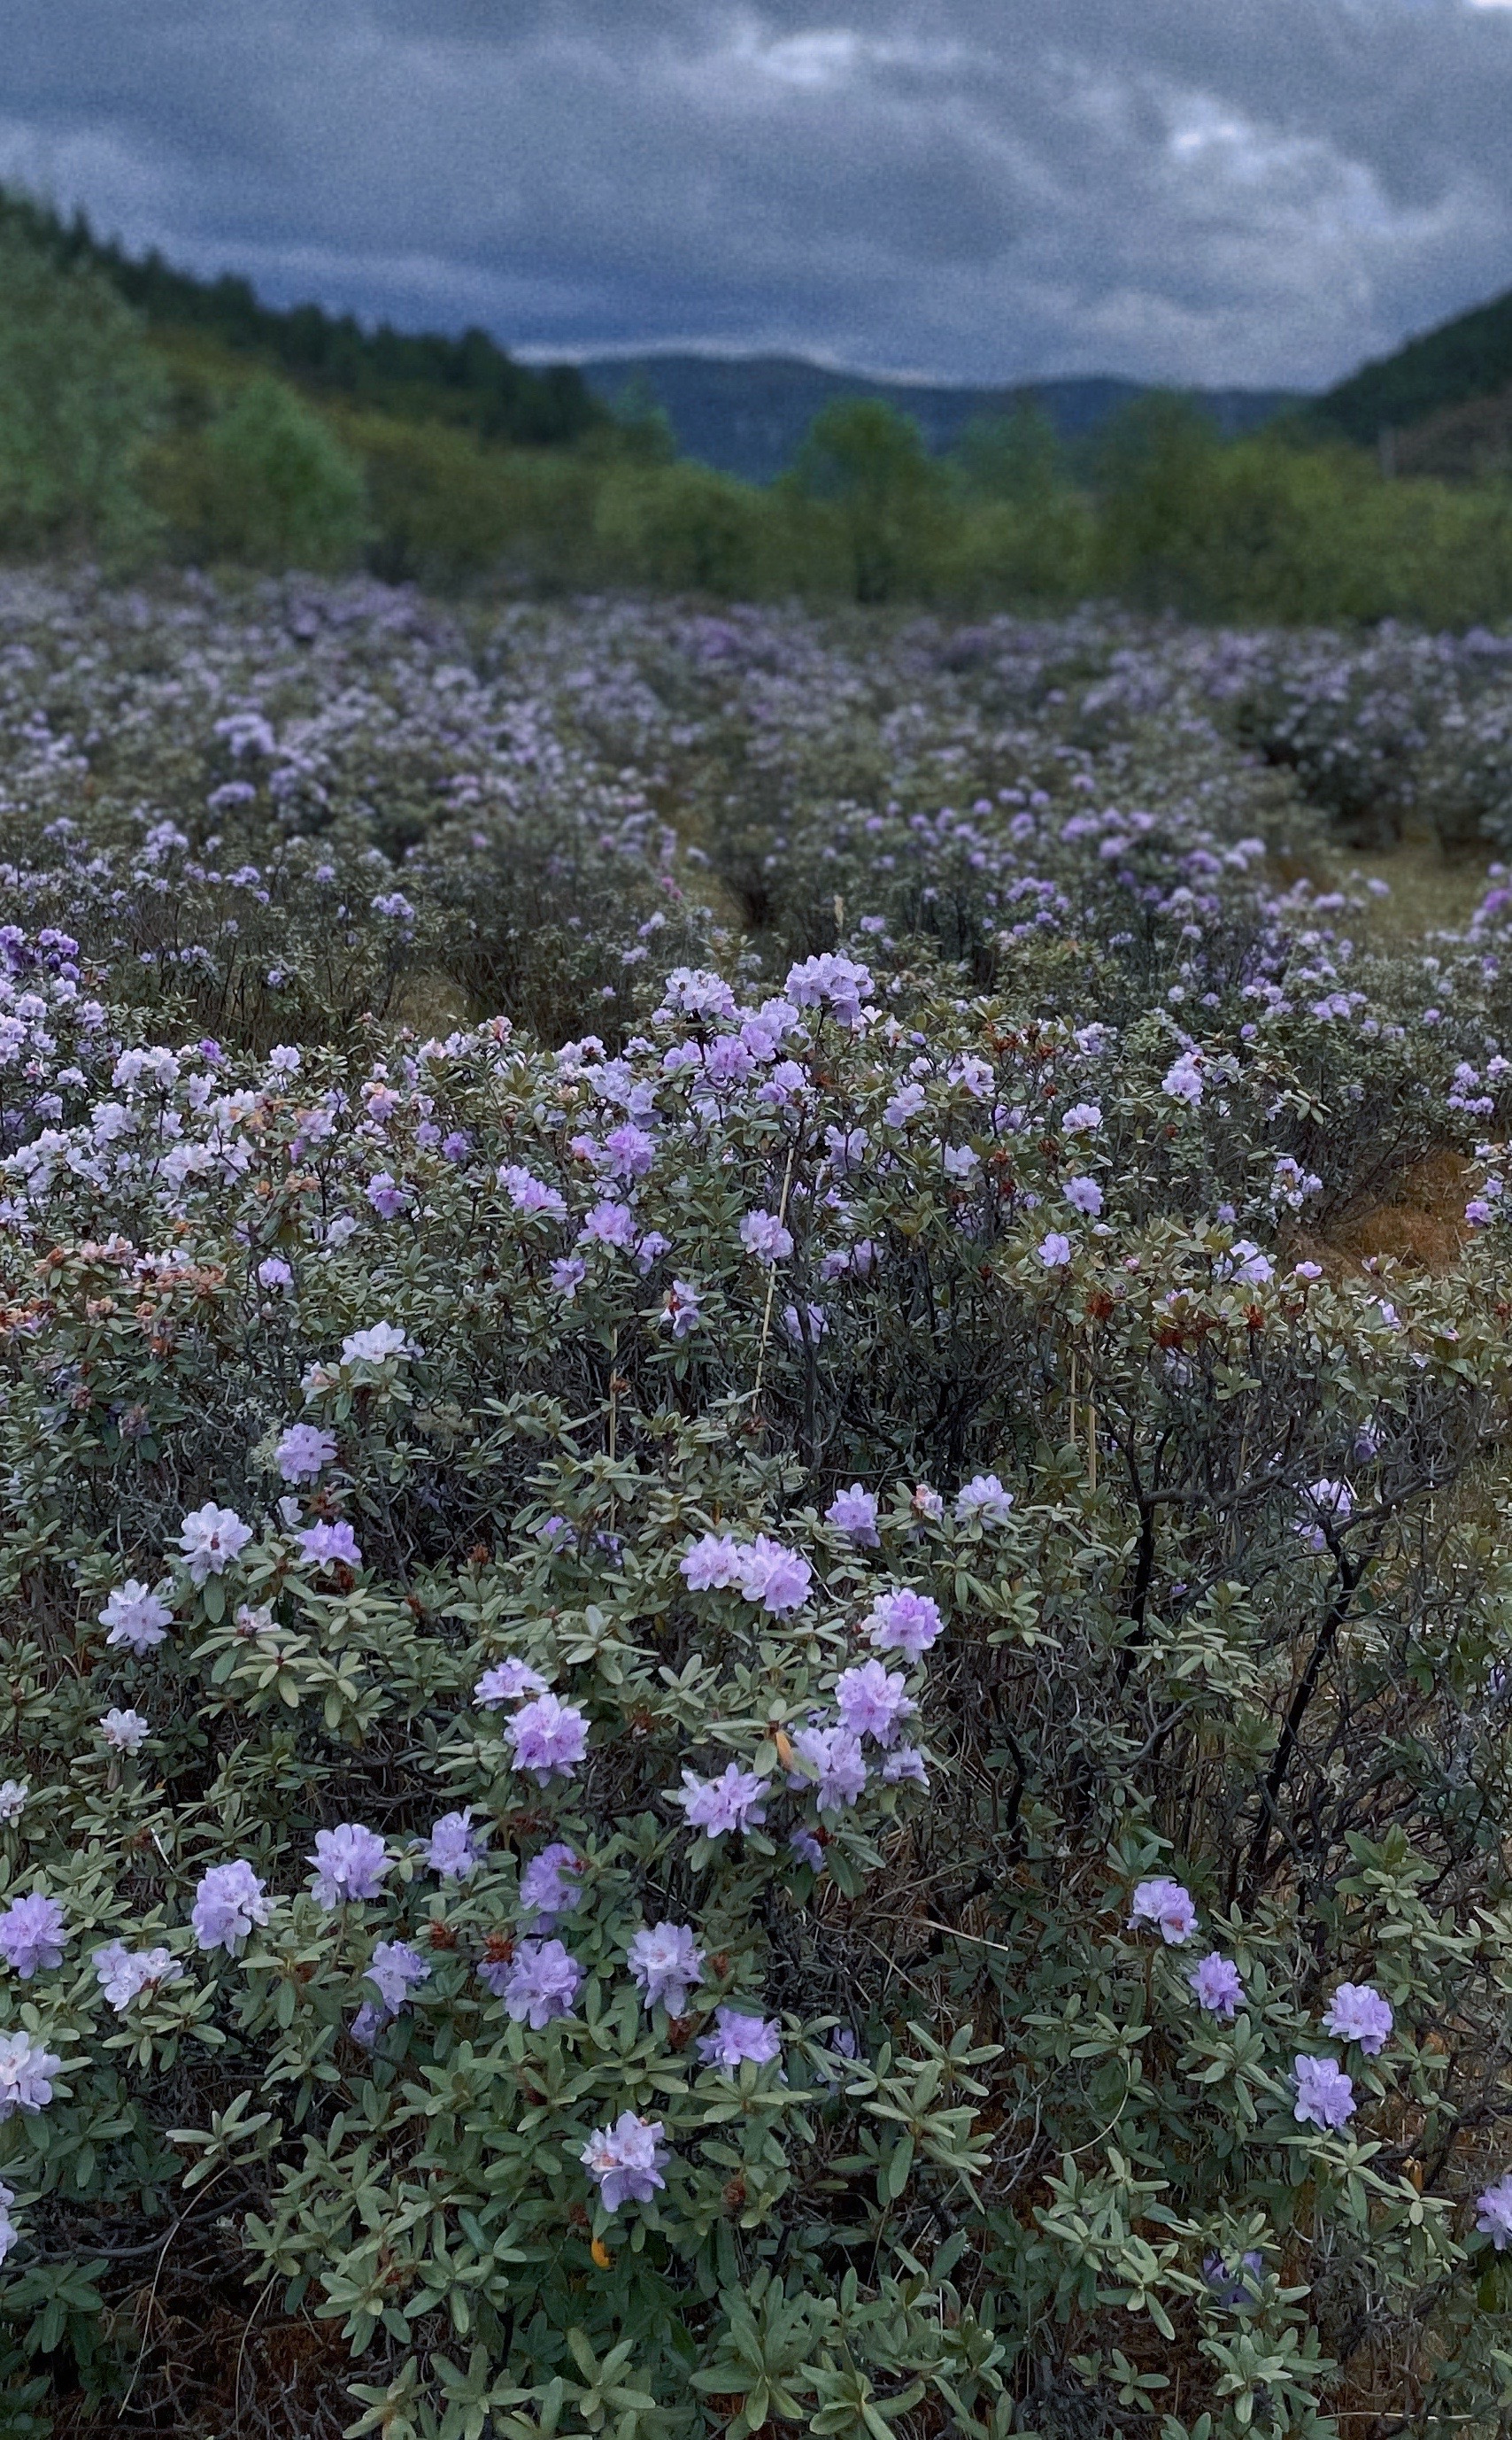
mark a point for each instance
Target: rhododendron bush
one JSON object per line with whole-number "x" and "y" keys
{"x": 781, "y": 1707}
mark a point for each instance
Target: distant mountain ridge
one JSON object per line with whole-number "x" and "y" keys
{"x": 1467, "y": 357}
{"x": 747, "y": 415}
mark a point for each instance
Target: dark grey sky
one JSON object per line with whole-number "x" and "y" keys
{"x": 1190, "y": 191}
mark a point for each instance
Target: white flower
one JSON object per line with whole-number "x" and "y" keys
{"x": 376, "y": 1344}
{"x": 13, "y": 1795}
{"x": 123, "y": 1732}
{"x": 211, "y": 1538}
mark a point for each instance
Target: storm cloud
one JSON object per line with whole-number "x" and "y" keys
{"x": 1216, "y": 191}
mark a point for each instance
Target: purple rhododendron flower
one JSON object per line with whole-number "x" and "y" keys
{"x": 567, "y": 1276}
{"x": 1217, "y": 1982}
{"x": 835, "y": 1756}
{"x": 330, "y": 1546}
{"x": 681, "y": 1311}
{"x": 738, "y": 2038}
{"x": 396, "y": 1970}
{"x": 1167, "y": 1906}
{"x": 711, "y": 1564}
{"x": 1325, "y": 2096}
{"x": 1493, "y": 2213}
{"x": 1358, "y": 2013}
{"x": 625, "y": 2160}
{"x": 762, "y": 1234}
{"x": 872, "y": 1701}
{"x": 854, "y": 1512}
{"x": 302, "y": 1451}
{"x": 388, "y": 1195}
{"x": 211, "y": 1538}
{"x": 1085, "y": 1194}
{"x": 776, "y": 1577}
{"x": 549, "y": 1737}
{"x": 905, "y": 1763}
{"x": 904, "y": 1621}
{"x": 32, "y": 1934}
{"x": 540, "y": 1982}
{"x": 734, "y": 1801}
{"x": 228, "y": 1901}
{"x": 1237, "y": 2284}
{"x": 123, "y": 1732}
{"x": 25, "y": 2074}
{"x": 983, "y": 1500}
{"x": 506, "y": 1683}
{"x": 806, "y": 1847}
{"x": 456, "y": 1849}
{"x": 1054, "y": 1251}
{"x": 545, "y": 1890}
{"x": 666, "y": 1960}
{"x": 135, "y": 1617}
{"x": 527, "y": 1193}
{"x": 123, "y": 1974}
{"x": 609, "y": 1224}
{"x": 350, "y": 1862}
{"x": 274, "y": 1272}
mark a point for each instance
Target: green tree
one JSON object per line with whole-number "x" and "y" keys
{"x": 268, "y": 482}
{"x": 81, "y": 397}
{"x": 1016, "y": 458}
{"x": 1156, "y": 469}
{"x": 870, "y": 466}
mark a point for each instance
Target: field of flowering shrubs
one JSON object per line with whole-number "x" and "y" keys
{"x": 745, "y": 1685}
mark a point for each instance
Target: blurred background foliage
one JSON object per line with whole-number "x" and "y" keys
{"x": 148, "y": 417}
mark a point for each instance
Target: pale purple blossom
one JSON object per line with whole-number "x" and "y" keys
{"x": 25, "y": 2074}
{"x": 123, "y": 1974}
{"x": 388, "y": 1195}
{"x": 904, "y": 1621}
{"x": 807, "y": 1849}
{"x": 1217, "y": 1982}
{"x": 1054, "y": 1251}
{"x": 839, "y": 983}
{"x": 773, "y": 1575}
{"x": 1081, "y": 1119}
{"x": 505, "y": 1683}
{"x": 738, "y": 2038}
{"x": 1168, "y": 1907}
{"x": 1234, "y": 2286}
{"x": 629, "y": 1151}
{"x": 123, "y": 1732}
{"x": 211, "y": 1539}
{"x": 380, "y": 1341}
{"x": 840, "y": 1766}
{"x": 1183, "y": 1079}
{"x": 330, "y": 1546}
{"x": 905, "y": 1764}
{"x": 872, "y": 1701}
{"x": 805, "y": 1325}
{"x": 228, "y": 1901}
{"x": 625, "y": 2160}
{"x": 711, "y": 1564}
{"x": 1493, "y": 2213}
{"x": 540, "y": 1982}
{"x": 135, "y": 1617}
{"x": 546, "y": 1888}
{"x": 984, "y": 1501}
{"x": 555, "y": 1532}
{"x": 455, "y": 1849}
{"x": 395, "y": 1969}
{"x": 567, "y": 1276}
{"x": 1085, "y": 1194}
{"x": 549, "y": 1738}
{"x": 927, "y": 1502}
{"x": 528, "y": 1193}
{"x": 1358, "y": 2013}
{"x": 302, "y": 1451}
{"x": 350, "y": 1862}
{"x": 666, "y": 1960}
{"x": 274, "y": 1272}
{"x": 853, "y": 1513}
{"x": 1325, "y": 2096}
{"x": 681, "y": 1311}
{"x": 13, "y": 1796}
{"x": 609, "y": 1224}
{"x": 762, "y": 1234}
{"x": 32, "y": 1934}
{"x": 734, "y": 1801}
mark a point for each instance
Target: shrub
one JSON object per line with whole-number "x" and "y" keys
{"x": 792, "y": 1708}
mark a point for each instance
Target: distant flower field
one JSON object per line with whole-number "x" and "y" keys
{"x": 757, "y": 1672}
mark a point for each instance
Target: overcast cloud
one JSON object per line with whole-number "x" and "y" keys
{"x": 1259, "y": 191}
